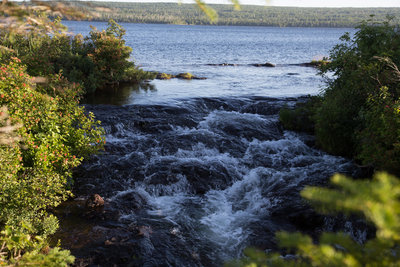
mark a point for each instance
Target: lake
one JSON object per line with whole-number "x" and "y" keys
{"x": 176, "y": 48}
{"x": 195, "y": 171}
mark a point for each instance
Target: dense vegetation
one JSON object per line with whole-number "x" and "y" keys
{"x": 97, "y": 61}
{"x": 357, "y": 115}
{"x": 172, "y": 13}
{"x": 377, "y": 200}
{"x": 44, "y": 132}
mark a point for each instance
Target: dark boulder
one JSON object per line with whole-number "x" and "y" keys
{"x": 266, "y": 64}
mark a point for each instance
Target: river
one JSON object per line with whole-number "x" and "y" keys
{"x": 195, "y": 171}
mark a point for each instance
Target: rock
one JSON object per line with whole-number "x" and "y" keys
{"x": 315, "y": 63}
{"x": 183, "y": 76}
{"x": 223, "y": 64}
{"x": 94, "y": 201}
{"x": 164, "y": 76}
{"x": 144, "y": 230}
{"x": 266, "y": 64}
{"x": 188, "y": 76}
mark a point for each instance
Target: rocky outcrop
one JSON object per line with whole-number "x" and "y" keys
{"x": 223, "y": 64}
{"x": 314, "y": 63}
{"x": 266, "y": 64}
{"x": 183, "y": 76}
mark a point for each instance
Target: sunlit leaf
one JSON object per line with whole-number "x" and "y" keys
{"x": 210, "y": 12}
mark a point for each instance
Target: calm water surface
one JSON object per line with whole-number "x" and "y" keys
{"x": 176, "y": 48}
{"x": 195, "y": 171}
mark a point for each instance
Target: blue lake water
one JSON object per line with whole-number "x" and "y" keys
{"x": 177, "y": 48}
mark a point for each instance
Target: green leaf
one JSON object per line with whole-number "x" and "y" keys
{"x": 210, "y": 12}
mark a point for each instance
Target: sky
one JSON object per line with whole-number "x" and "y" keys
{"x": 301, "y": 3}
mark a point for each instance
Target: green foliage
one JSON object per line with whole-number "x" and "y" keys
{"x": 377, "y": 200}
{"x": 96, "y": 61}
{"x": 300, "y": 118}
{"x": 353, "y": 106}
{"x": 210, "y": 12}
{"x": 380, "y": 138}
{"x": 357, "y": 76}
{"x": 20, "y": 248}
{"x": 44, "y": 133}
{"x": 54, "y": 258}
{"x": 172, "y": 13}
{"x": 358, "y": 112}
{"x": 54, "y": 135}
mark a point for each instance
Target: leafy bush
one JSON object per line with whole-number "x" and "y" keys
{"x": 301, "y": 117}
{"x": 357, "y": 77}
{"x": 44, "y": 133}
{"x": 96, "y": 61}
{"x": 377, "y": 200}
{"x": 50, "y": 135}
{"x": 380, "y": 138}
{"x": 357, "y": 115}
{"x": 21, "y": 249}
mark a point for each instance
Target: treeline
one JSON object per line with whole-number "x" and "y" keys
{"x": 188, "y": 14}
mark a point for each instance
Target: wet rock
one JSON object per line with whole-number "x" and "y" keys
{"x": 94, "y": 201}
{"x": 314, "y": 63}
{"x": 223, "y": 64}
{"x": 129, "y": 201}
{"x": 203, "y": 177}
{"x": 164, "y": 76}
{"x": 183, "y": 76}
{"x": 145, "y": 231}
{"x": 364, "y": 171}
{"x": 266, "y": 64}
{"x": 189, "y": 76}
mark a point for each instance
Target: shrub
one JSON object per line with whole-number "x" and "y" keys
{"x": 377, "y": 200}
{"x": 50, "y": 135}
{"x": 97, "y": 61}
{"x": 20, "y": 248}
{"x": 301, "y": 117}
{"x": 357, "y": 76}
{"x": 357, "y": 113}
{"x": 380, "y": 138}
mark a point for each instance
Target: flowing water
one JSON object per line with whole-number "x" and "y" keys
{"x": 195, "y": 171}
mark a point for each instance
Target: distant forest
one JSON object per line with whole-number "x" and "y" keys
{"x": 174, "y": 13}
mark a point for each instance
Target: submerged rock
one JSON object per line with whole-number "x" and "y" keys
{"x": 314, "y": 63}
{"x": 224, "y": 64}
{"x": 164, "y": 76}
{"x": 188, "y": 76}
{"x": 183, "y": 76}
{"x": 266, "y": 64}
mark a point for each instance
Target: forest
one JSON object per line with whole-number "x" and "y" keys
{"x": 188, "y": 14}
